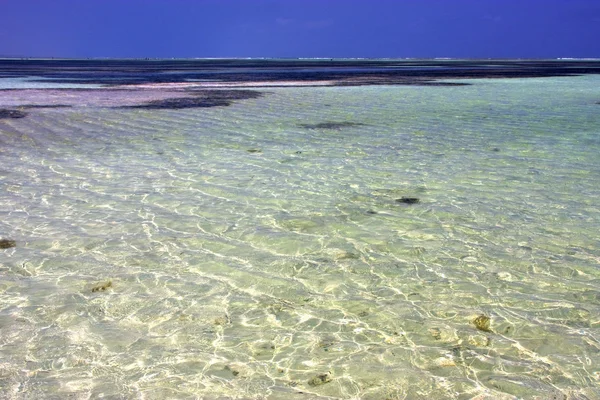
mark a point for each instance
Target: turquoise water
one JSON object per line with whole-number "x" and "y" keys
{"x": 232, "y": 252}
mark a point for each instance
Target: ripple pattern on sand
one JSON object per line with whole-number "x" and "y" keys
{"x": 250, "y": 251}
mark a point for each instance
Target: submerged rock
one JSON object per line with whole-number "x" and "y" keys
{"x": 7, "y": 243}
{"x": 408, "y": 200}
{"x": 482, "y": 323}
{"x": 101, "y": 287}
{"x": 6, "y": 114}
{"x": 320, "y": 379}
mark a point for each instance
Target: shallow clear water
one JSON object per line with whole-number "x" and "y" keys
{"x": 252, "y": 257}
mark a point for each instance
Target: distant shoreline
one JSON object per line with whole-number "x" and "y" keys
{"x": 286, "y": 72}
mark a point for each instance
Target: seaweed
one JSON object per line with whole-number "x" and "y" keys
{"x": 101, "y": 287}
{"x": 333, "y": 125}
{"x": 482, "y": 323}
{"x": 7, "y": 243}
{"x": 320, "y": 379}
{"x": 6, "y": 113}
{"x": 408, "y": 200}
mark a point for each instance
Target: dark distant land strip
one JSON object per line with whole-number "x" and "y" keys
{"x": 305, "y": 72}
{"x": 181, "y": 84}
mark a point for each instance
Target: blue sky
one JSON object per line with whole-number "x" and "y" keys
{"x": 300, "y": 28}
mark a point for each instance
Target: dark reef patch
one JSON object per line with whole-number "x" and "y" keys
{"x": 7, "y": 243}
{"x": 408, "y": 200}
{"x": 44, "y": 106}
{"x": 6, "y": 114}
{"x": 181, "y": 103}
{"x": 200, "y": 99}
{"x": 331, "y": 125}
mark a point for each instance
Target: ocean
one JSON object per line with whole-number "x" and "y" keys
{"x": 299, "y": 229}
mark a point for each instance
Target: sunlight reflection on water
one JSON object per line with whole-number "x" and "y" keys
{"x": 252, "y": 252}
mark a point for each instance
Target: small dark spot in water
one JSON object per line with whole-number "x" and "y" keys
{"x": 222, "y": 320}
{"x": 436, "y": 333}
{"x": 408, "y": 200}
{"x": 6, "y": 114}
{"x": 334, "y": 125}
{"x": 254, "y": 151}
{"x": 371, "y": 212}
{"x": 320, "y": 379}
{"x": 298, "y": 152}
{"x": 231, "y": 368}
{"x": 457, "y": 351}
{"x": 326, "y": 343}
{"x": 496, "y": 149}
{"x": 7, "y": 243}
